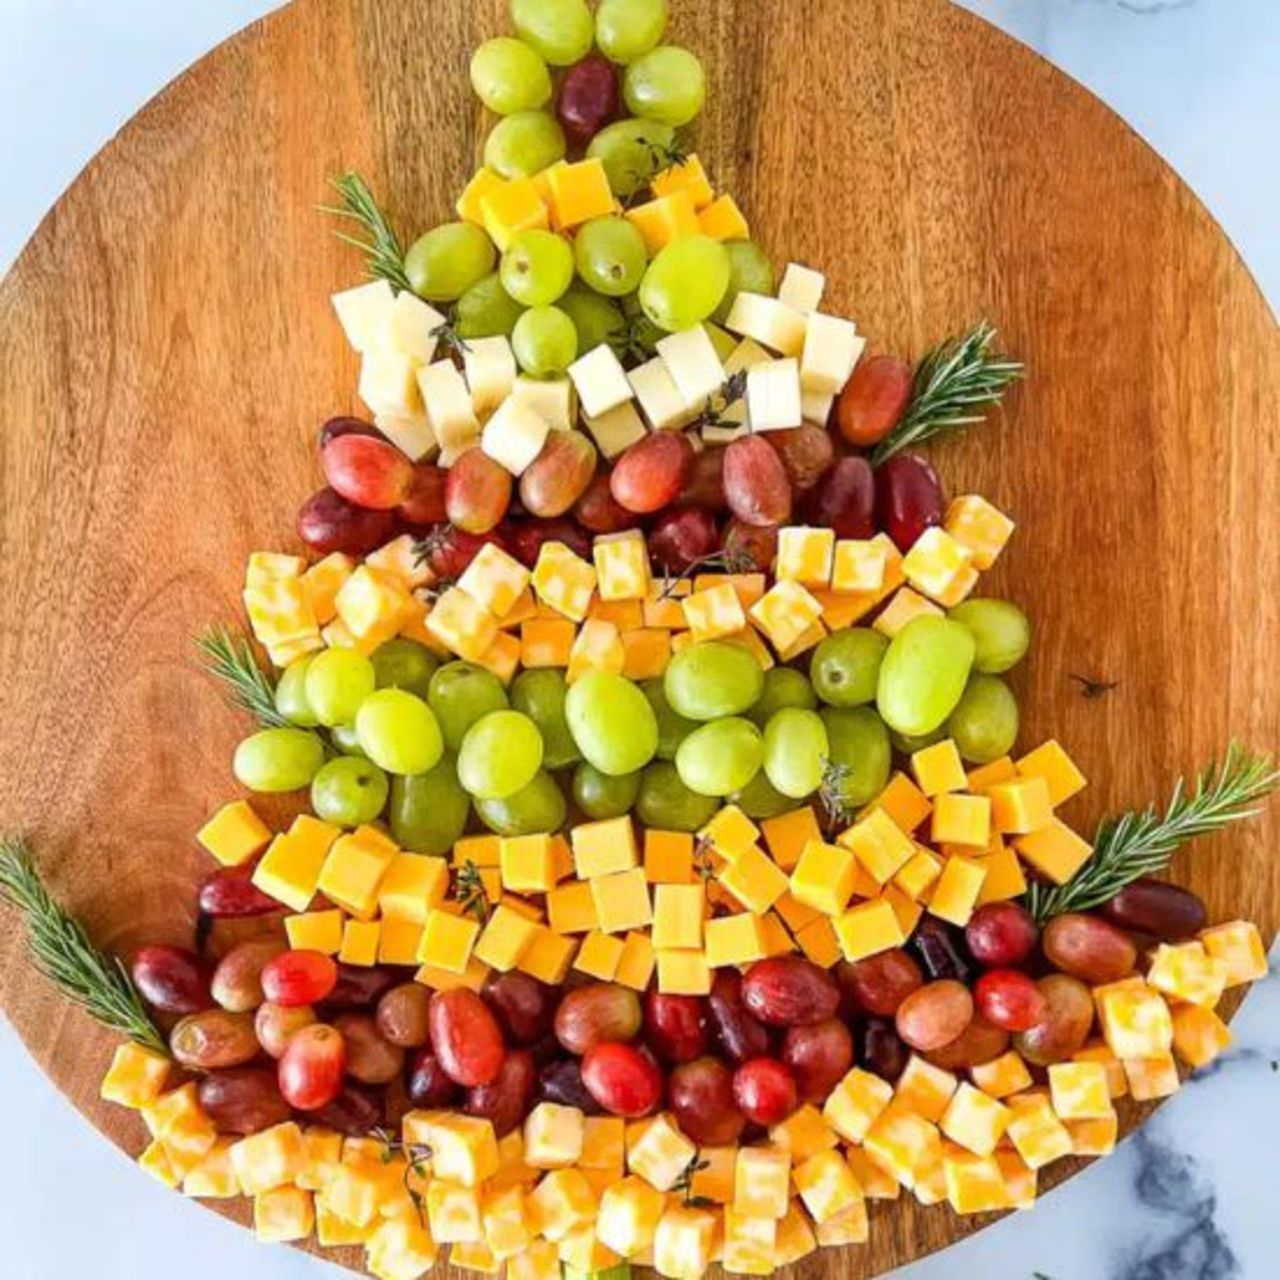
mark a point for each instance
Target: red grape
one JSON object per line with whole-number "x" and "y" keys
{"x": 598, "y": 511}
{"x": 213, "y": 1038}
{"x": 979, "y": 1042}
{"x": 651, "y": 472}
{"x": 681, "y": 536}
{"x": 477, "y": 492}
{"x": 843, "y": 499}
{"x": 522, "y": 1005}
{"x": 527, "y": 538}
{"x": 465, "y": 1036}
{"x": 1001, "y": 935}
{"x": 237, "y": 981}
{"x": 874, "y": 399}
{"x": 275, "y": 1025}
{"x": 881, "y": 1049}
{"x": 737, "y": 1032}
{"x": 588, "y": 98}
{"x": 242, "y": 1100}
{"x": 756, "y": 545}
{"x": 622, "y": 1080}
{"x": 354, "y": 1110}
{"x": 676, "y": 1026}
{"x": 327, "y": 522}
{"x": 424, "y": 503}
{"x": 426, "y": 1083}
{"x": 1155, "y": 907}
{"x": 806, "y": 453}
{"x": 402, "y": 1015}
{"x": 755, "y": 482}
{"x": 765, "y": 1091}
{"x": 229, "y": 892}
{"x": 346, "y": 426}
{"x": 938, "y": 951}
{"x": 1088, "y": 948}
{"x": 298, "y": 977}
{"x": 367, "y": 471}
{"x": 508, "y": 1096}
{"x": 789, "y": 991}
{"x": 310, "y": 1072}
{"x": 818, "y": 1057}
{"x": 935, "y": 1014}
{"x": 449, "y": 550}
{"x": 1065, "y": 1026}
{"x": 1008, "y": 999}
{"x": 559, "y": 475}
{"x": 371, "y": 1057}
{"x": 705, "y": 485}
{"x": 908, "y": 498}
{"x": 600, "y": 1011}
{"x": 562, "y": 1082}
{"x": 701, "y": 1098}
{"x": 172, "y": 979}
{"x": 880, "y": 983}
{"x": 360, "y": 986}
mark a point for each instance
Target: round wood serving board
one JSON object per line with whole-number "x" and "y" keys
{"x": 167, "y": 350}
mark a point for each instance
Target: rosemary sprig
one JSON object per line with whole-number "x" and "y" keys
{"x": 448, "y": 336}
{"x": 469, "y": 890}
{"x": 952, "y": 387}
{"x": 384, "y": 257}
{"x": 684, "y": 1183}
{"x": 417, "y": 1155}
{"x": 231, "y": 659}
{"x": 831, "y": 795}
{"x": 704, "y": 864}
{"x": 99, "y": 983}
{"x": 1141, "y": 842}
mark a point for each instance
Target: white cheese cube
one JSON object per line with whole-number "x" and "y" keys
{"x": 815, "y": 407}
{"x": 411, "y": 435}
{"x": 601, "y": 381}
{"x": 616, "y": 431}
{"x": 365, "y": 314}
{"x": 448, "y": 404}
{"x": 387, "y": 383}
{"x": 801, "y": 287}
{"x": 770, "y": 322}
{"x": 692, "y": 362}
{"x": 660, "y": 399}
{"x": 831, "y": 349}
{"x": 551, "y": 398}
{"x": 553, "y": 1136}
{"x": 748, "y": 352}
{"x": 413, "y": 326}
{"x": 490, "y": 366}
{"x": 773, "y": 396}
{"x": 514, "y": 436}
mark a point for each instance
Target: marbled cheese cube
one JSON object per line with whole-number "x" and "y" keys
{"x": 770, "y": 321}
{"x": 494, "y": 579}
{"x": 831, "y": 349}
{"x": 805, "y": 555}
{"x": 552, "y": 399}
{"x": 490, "y": 368}
{"x": 855, "y": 1103}
{"x": 136, "y": 1076}
{"x": 903, "y": 1144}
{"x": 858, "y": 565}
{"x": 600, "y": 380}
{"x": 1152, "y": 1077}
{"x": 1079, "y": 1090}
{"x": 453, "y": 1212}
{"x": 622, "y": 565}
{"x": 1003, "y": 1076}
{"x": 1035, "y": 1130}
{"x": 1199, "y": 1035}
{"x": 749, "y": 1244}
{"x": 598, "y": 647}
{"x": 447, "y": 401}
{"x": 925, "y": 1089}
{"x": 934, "y": 562}
{"x": 682, "y": 1243}
{"x": 365, "y": 314}
{"x": 1136, "y": 1022}
{"x": 269, "y": 1159}
{"x": 691, "y": 360}
{"x": 1187, "y": 972}
{"x": 283, "y": 1214}
{"x": 905, "y": 606}
{"x": 974, "y": 1120}
{"x": 661, "y": 1154}
{"x": 981, "y": 529}
{"x": 762, "y": 1182}
{"x": 630, "y": 1210}
{"x": 563, "y": 580}
{"x": 974, "y": 1184}
{"x": 1239, "y": 947}
{"x": 664, "y": 408}
{"x": 462, "y": 624}
{"x": 617, "y": 430}
{"x": 784, "y": 613}
{"x": 773, "y": 395}
{"x": 399, "y": 1248}
{"x": 714, "y": 613}
{"x": 826, "y": 1185}
{"x": 463, "y": 1148}
{"x": 553, "y": 1136}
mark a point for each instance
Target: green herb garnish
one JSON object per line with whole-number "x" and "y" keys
{"x": 230, "y": 658}
{"x": 469, "y": 890}
{"x": 384, "y": 257}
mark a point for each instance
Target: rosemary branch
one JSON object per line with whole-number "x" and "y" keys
{"x": 384, "y": 256}
{"x": 99, "y": 983}
{"x": 1141, "y": 842}
{"x": 953, "y": 385}
{"x": 469, "y": 891}
{"x": 230, "y": 658}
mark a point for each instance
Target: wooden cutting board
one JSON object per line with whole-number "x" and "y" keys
{"x": 167, "y": 351}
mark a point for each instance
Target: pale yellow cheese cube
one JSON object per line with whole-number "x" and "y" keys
{"x": 762, "y": 1181}
{"x": 283, "y": 1214}
{"x": 661, "y": 1154}
{"x": 630, "y": 1210}
{"x": 364, "y": 312}
{"x": 463, "y": 1148}
{"x": 858, "y": 565}
{"x": 682, "y": 1243}
{"x": 622, "y": 565}
{"x": 749, "y": 1244}
{"x": 494, "y": 579}
{"x": 400, "y": 1249}
{"x": 553, "y": 1136}
{"x": 805, "y": 556}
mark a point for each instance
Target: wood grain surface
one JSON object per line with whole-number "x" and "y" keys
{"x": 167, "y": 351}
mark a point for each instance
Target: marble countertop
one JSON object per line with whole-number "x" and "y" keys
{"x": 1193, "y": 1195}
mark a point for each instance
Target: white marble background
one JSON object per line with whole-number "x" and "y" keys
{"x": 1193, "y": 1196}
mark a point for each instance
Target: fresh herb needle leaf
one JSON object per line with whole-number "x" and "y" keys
{"x": 384, "y": 256}
{"x": 231, "y": 659}
{"x": 1141, "y": 842}
{"x": 61, "y": 950}
{"x": 953, "y": 386}
{"x": 469, "y": 891}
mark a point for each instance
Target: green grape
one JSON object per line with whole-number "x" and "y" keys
{"x": 537, "y": 268}
{"x": 486, "y": 310}
{"x": 337, "y": 682}
{"x": 524, "y": 144}
{"x": 508, "y": 75}
{"x": 858, "y": 745}
{"x": 499, "y": 756}
{"x": 845, "y": 667}
{"x": 984, "y": 723}
{"x": 673, "y": 728}
{"x": 783, "y": 687}
{"x": 562, "y": 31}
{"x": 750, "y": 271}
{"x": 540, "y": 694}
{"x": 644, "y": 335}
{"x": 545, "y": 342}
{"x": 626, "y": 29}
{"x": 278, "y": 760}
{"x": 632, "y": 152}
{"x": 721, "y": 756}
{"x": 291, "y": 694}
{"x": 685, "y": 283}
{"x": 923, "y": 674}
{"x": 596, "y": 319}
{"x": 1001, "y": 633}
{"x": 346, "y": 740}
{"x": 666, "y": 803}
{"x": 612, "y": 723}
{"x": 610, "y": 255}
{"x": 404, "y": 664}
{"x": 795, "y": 751}
{"x": 761, "y": 799}
{"x": 428, "y": 811}
{"x": 666, "y": 84}
{"x": 709, "y": 680}
{"x": 601, "y": 796}
{"x": 459, "y": 695}
{"x": 534, "y": 809}
{"x": 349, "y": 791}
{"x": 398, "y": 732}
{"x": 445, "y": 262}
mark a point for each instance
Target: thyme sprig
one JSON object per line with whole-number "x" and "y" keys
{"x": 469, "y": 890}
{"x": 446, "y": 333}
{"x": 953, "y": 386}
{"x": 417, "y": 1157}
{"x": 230, "y": 658}
{"x": 722, "y": 561}
{"x": 732, "y": 393}
{"x": 684, "y": 1183}
{"x": 831, "y": 794}
{"x": 99, "y": 983}
{"x": 1141, "y": 842}
{"x": 384, "y": 255}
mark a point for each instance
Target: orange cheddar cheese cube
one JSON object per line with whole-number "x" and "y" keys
{"x": 234, "y": 834}
{"x": 571, "y": 908}
{"x": 548, "y": 956}
{"x": 1151, "y": 1078}
{"x": 136, "y": 1077}
{"x": 855, "y": 1103}
{"x": 1199, "y": 1035}
{"x": 1020, "y": 806}
{"x": 795, "y": 1239}
{"x": 668, "y": 856}
{"x": 1094, "y": 1137}
{"x": 399, "y": 941}
{"x": 1004, "y": 877}
{"x": 527, "y": 863}
{"x": 1187, "y": 972}
{"x": 956, "y": 893}
{"x": 1002, "y": 1077}
{"x": 723, "y": 220}
{"x": 824, "y": 877}
{"x": 713, "y": 613}
{"x": 510, "y": 209}
{"x": 563, "y": 580}
{"x": 290, "y": 870}
{"x": 360, "y": 942}
{"x": 662, "y": 606}
{"x": 689, "y": 175}
{"x": 1033, "y": 1127}
{"x": 787, "y": 835}
{"x": 448, "y": 941}
{"x": 734, "y": 939}
{"x": 546, "y": 642}
{"x": 353, "y": 870}
{"x": 1136, "y": 1022}
{"x": 668, "y": 218}
{"x": 879, "y": 844}
{"x": 603, "y": 847}
{"x": 1239, "y": 947}
{"x": 819, "y": 942}
{"x": 962, "y": 820}
{"x": 987, "y": 775}
{"x": 754, "y": 880}
{"x": 646, "y": 653}
{"x": 925, "y": 1089}
{"x": 506, "y": 936}
{"x": 979, "y": 527}
{"x": 598, "y": 647}
{"x": 1055, "y": 851}
{"x": 678, "y": 911}
{"x": 805, "y": 555}
{"x": 868, "y": 929}
{"x": 938, "y": 769}
{"x": 919, "y": 874}
{"x": 975, "y": 1120}
{"x": 412, "y": 885}
{"x": 622, "y": 900}
{"x": 1050, "y": 762}
{"x": 579, "y": 192}
{"x": 785, "y": 613}
{"x": 636, "y": 966}
{"x": 502, "y": 657}
{"x": 903, "y": 802}
{"x": 626, "y": 615}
